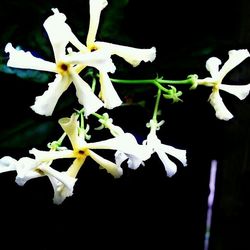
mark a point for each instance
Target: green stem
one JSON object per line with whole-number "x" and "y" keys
{"x": 156, "y": 81}
{"x": 157, "y": 105}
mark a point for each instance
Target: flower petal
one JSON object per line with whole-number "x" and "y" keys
{"x": 125, "y": 143}
{"x": 221, "y": 110}
{"x": 26, "y": 170}
{"x": 180, "y": 154}
{"x": 134, "y": 56}
{"x": 95, "y": 9}
{"x": 62, "y": 183}
{"x": 86, "y": 96}
{"x": 111, "y": 167}
{"x": 7, "y": 163}
{"x": 235, "y": 58}
{"x": 212, "y": 65}
{"x": 51, "y": 155}
{"x": 240, "y": 91}
{"x": 25, "y": 60}
{"x": 170, "y": 166}
{"x": 45, "y": 104}
{"x": 60, "y": 34}
{"x": 108, "y": 93}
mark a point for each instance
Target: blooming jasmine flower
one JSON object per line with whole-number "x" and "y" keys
{"x": 80, "y": 150}
{"x": 66, "y": 71}
{"x": 163, "y": 150}
{"x": 28, "y": 168}
{"x": 215, "y": 81}
{"x": 132, "y": 55}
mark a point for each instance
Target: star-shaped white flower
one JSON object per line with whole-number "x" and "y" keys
{"x": 28, "y": 168}
{"x": 164, "y": 150}
{"x": 64, "y": 67}
{"x": 132, "y": 55}
{"x": 215, "y": 81}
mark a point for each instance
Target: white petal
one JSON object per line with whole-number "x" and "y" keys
{"x": 108, "y": 93}
{"x": 111, "y": 167}
{"x": 62, "y": 183}
{"x": 51, "y": 155}
{"x": 170, "y": 166}
{"x": 241, "y": 91}
{"x": 180, "y": 154}
{"x": 7, "y": 163}
{"x": 25, "y": 60}
{"x": 120, "y": 157}
{"x": 45, "y": 104}
{"x": 235, "y": 58}
{"x": 134, "y": 162}
{"x": 59, "y": 33}
{"x": 132, "y": 55}
{"x": 221, "y": 110}
{"x": 26, "y": 170}
{"x": 95, "y": 8}
{"x": 212, "y": 65}
{"x": 99, "y": 59}
{"x": 70, "y": 127}
{"x": 125, "y": 143}
{"x": 86, "y": 96}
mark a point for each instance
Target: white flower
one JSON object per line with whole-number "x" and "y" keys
{"x": 132, "y": 55}
{"x": 215, "y": 81}
{"x": 80, "y": 150}
{"x": 66, "y": 71}
{"x": 28, "y": 168}
{"x": 163, "y": 150}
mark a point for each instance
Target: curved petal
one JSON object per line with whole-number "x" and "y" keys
{"x": 180, "y": 154}
{"x": 108, "y": 93}
{"x": 86, "y": 96}
{"x": 240, "y": 91}
{"x": 70, "y": 127}
{"x": 212, "y": 65}
{"x": 25, "y": 60}
{"x": 111, "y": 167}
{"x": 125, "y": 143}
{"x": 134, "y": 56}
{"x": 26, "y": 170}
{"x": 7, "y": 163}
{"x": 95, "y": 9}
{"x": 98, "y": 59}
{"x": 45, "y": 104}
{"x": 62, "y": 183}
{"x": 235, "y": 58}
{"x": 221, "y": 110}
{"x": 170, "y": 166}
{"x": 51, "y": 155}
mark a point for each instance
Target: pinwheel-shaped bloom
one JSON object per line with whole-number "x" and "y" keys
{"x": 132, "y": 55}
{"x": 81, "y": 149}
{"x": 163, "y": 150}
{"x": 65, "y": 68}
{"x": 215, "y": 81}
{"x": 28, "y": 168}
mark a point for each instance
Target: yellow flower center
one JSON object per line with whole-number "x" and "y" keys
{"x": 63, "y": 68}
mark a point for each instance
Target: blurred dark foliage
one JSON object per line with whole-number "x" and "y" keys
{"x": 144, "y": 207}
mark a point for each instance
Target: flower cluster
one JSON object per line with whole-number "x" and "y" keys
{"x": 71, "y": 57}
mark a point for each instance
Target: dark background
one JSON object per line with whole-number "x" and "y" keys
{"x": 143, "y": 208}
